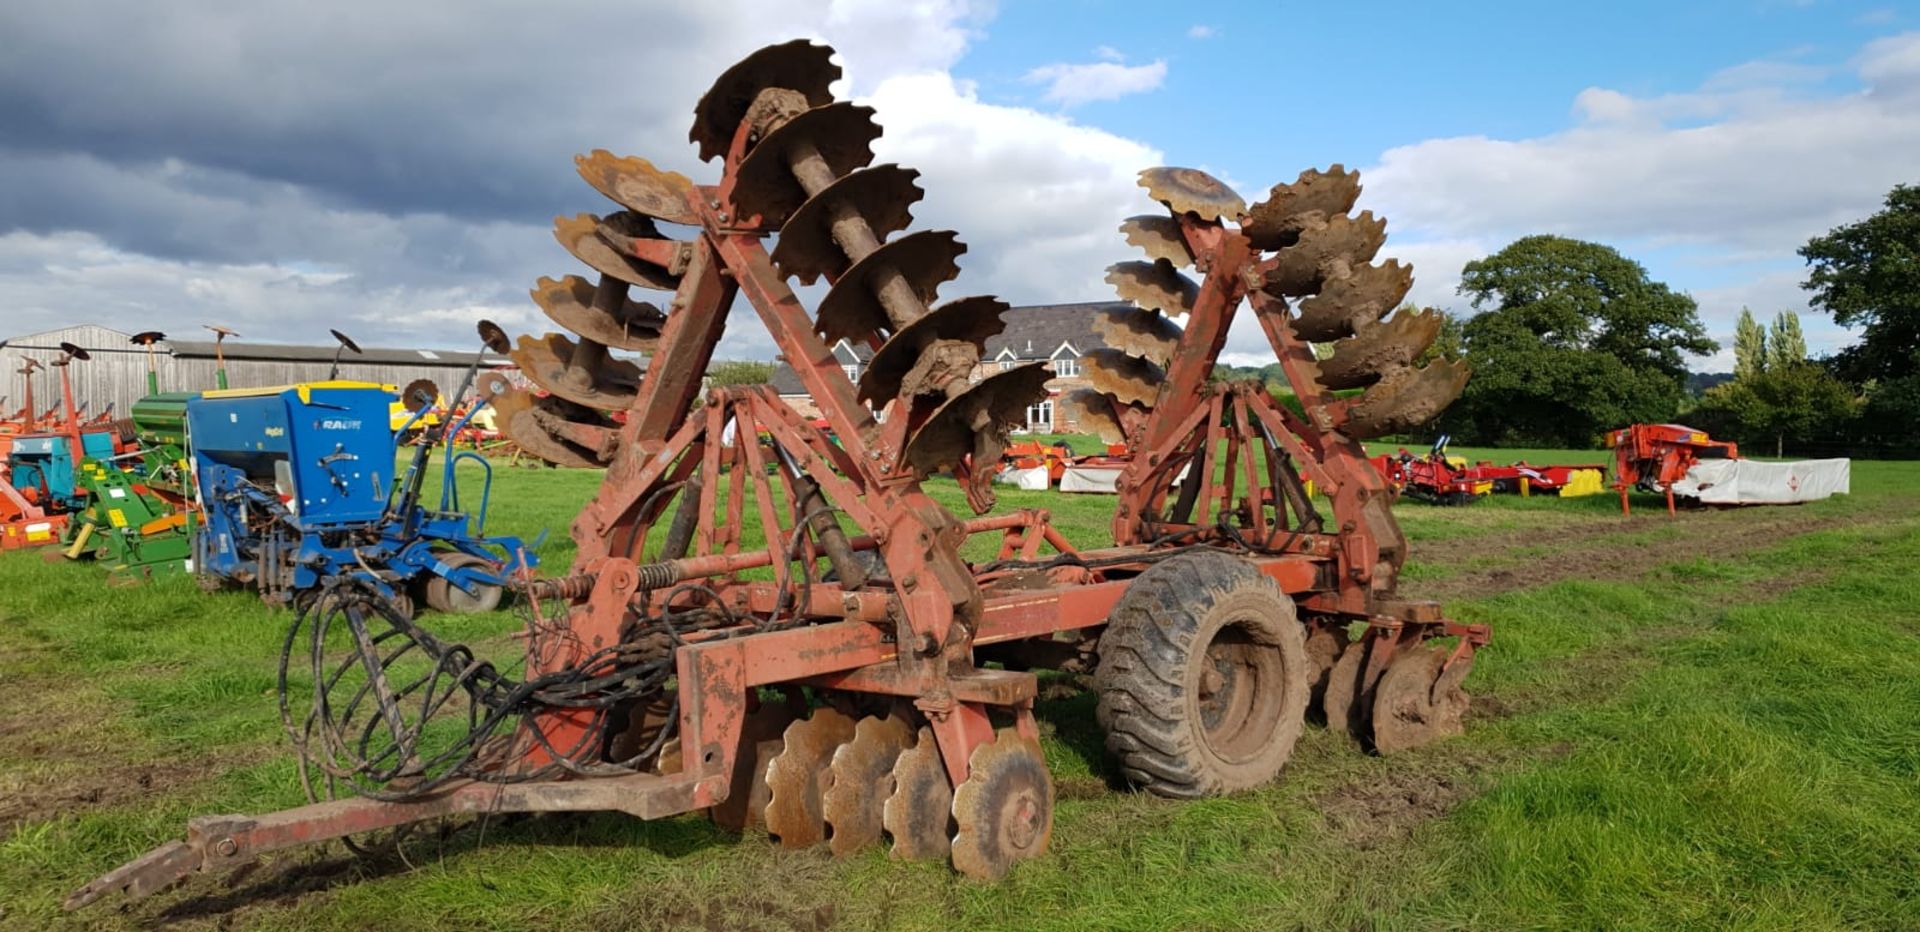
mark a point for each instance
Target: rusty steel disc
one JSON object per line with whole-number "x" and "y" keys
{"x": 1155, "y": 286}
{"x": 602, "y": 313}
{"x": 1127, "y": 379}
{"x": 1138, "y": 332}
{"x": 968, "y": 320}
{"x": 1380, "y": 348}
{"x": 1097, "y": 415}
{"x": 799, "y": 65}
{"x": 1192, "y": 191}
{"x": 1419, "y": 699}
{"x": 797, "y": 778}
{"x": 862, "y": 780}
{"x": 634, "y": 183}
{"x": 532, "y": 424}
{"x": 1345, "y": 303}
{"x": 761, "y": 739}
{"x": 883, "y": 196}
{"x": 1325, "y": 251}
{"x": 419, "y": 394}
{"x": 603, "y": 383}
{"x": 580, "y": 234}
{"x": 918, "y": 814}
{"x": 1348, "y": 701}
{"x": 1159, "y": 237}
{"x": 147, "y": 338}
{"x": 1291, "y": 208}
{"x": 764, "y": 184}
{"x": 1001, "y": 399}
{"x": 1324, "y": 647}
{"x": 852, "y": 310}
{"x": 1003, "y": 812}
{"x": 493, "y": 337}
{"x": 1405, "y": 398}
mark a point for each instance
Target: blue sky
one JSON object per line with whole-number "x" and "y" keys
{"x": 286, "y": 167}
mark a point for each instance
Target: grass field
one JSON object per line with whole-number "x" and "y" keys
{"x": 1706, "y": 722}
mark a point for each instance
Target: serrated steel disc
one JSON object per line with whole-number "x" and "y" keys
{"x": 799, "y": 65}
{"x": 764, "y": 185}
{"x": 918, "y": 815}
{"x": 1277, "y": 222}
{"x": 852, "y": 310}
{"x": 605, "y": 383}
{"x": 419, "y": 393}
{"x": 1362, "y": 359}
{"x": 1138, "y": 332}
{"x": 968, "y": 320}
{"x": 1125, "y": 378}
{"x": 761, "y": 739}
{"x": 1405, "y": 399}
{"x": 1159, "y": 237}
{"x": 797, "y": 778}
{"x": 1156, "y": 286}
{"x": 862, "y": 779}
{"x": 883, "y": 195}
{"x": 1325, "y": 251}
{"x": 534, "y": 426}
{"x": 1348, "y": 302}
{"x": 601, "y": 313}
{"x": 634, "y": 183}
{"x": 580, "y": 235}
{"x": 1419, "y": 699}
{"x": 1000, "y": 400}
{"x": 1192, "y": 191}
{"x": 1097, "y": 415}
{"x": 1003, "y": 812}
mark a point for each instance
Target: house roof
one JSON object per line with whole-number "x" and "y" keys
{"x": 1033, "y": 332}
{"x": 1036, "y": 330}
{"x": 787, "y": 382}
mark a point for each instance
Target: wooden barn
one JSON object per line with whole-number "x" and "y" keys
{"x": 117, "y": 372}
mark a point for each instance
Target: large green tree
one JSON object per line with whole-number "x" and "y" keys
{"x": 1572, "y": 339}
{"x": 1749, "y": 345}
{"x": 1867, "y": 275}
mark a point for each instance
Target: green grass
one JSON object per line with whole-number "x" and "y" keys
{"x": 1698, "y": 726}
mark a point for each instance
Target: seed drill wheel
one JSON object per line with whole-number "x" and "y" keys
{"x": 1204, "y": 677}
{"x": 443, "y": 596}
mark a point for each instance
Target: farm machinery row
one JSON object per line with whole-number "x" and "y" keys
{"x": 286, "y": 490}
{"x": 848, "y": 677}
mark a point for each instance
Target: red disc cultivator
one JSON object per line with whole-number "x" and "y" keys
{"x": 844, "y": 676}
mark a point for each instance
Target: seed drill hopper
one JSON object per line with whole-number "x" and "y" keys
{"x": 829, "y": 686}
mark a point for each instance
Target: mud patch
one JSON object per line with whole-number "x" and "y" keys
{"x": 1602, "y": 550}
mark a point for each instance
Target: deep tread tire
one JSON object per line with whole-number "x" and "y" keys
{"x": 1196, "y": 613}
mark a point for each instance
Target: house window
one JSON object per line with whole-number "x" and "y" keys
{"x": 853, "y": 372}
{"x": 1040, "y": 417}
{"x": 1066, "y": 367}
{"x": 1006, "y": 364}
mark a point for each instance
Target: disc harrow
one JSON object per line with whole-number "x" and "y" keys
{"x": 827, "y": 679}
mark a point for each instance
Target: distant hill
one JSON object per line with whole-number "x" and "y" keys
{"x": 1698, "y": 382}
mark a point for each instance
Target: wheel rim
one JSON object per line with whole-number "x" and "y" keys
{"x": 1240, "y": 694}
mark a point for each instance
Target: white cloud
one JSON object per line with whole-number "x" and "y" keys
{"x": 1201, "y": 31}
{"x": 1743, "y": 170}
{"x": 1109, "y": 53}
{"x": 1073, "y": 85}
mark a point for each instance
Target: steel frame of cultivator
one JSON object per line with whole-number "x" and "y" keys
{"x": 658, "y": 592}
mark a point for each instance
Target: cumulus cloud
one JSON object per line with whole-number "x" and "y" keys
{"x": 1741, "y": 170}
{"x": 1073, "y": 85}
{"x": 1201, "y": 31}
{"x": 284, "y": 168}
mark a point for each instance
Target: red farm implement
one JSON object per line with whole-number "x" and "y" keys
{"x": 1652, "y": 457}
{"x": 832, "y": 685}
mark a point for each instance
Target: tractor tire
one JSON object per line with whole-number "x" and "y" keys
{"x": 444, "y": 596}
{"x": 1204, "y": 678}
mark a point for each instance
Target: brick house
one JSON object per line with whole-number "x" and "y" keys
{"x": 1054, "y": 334}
